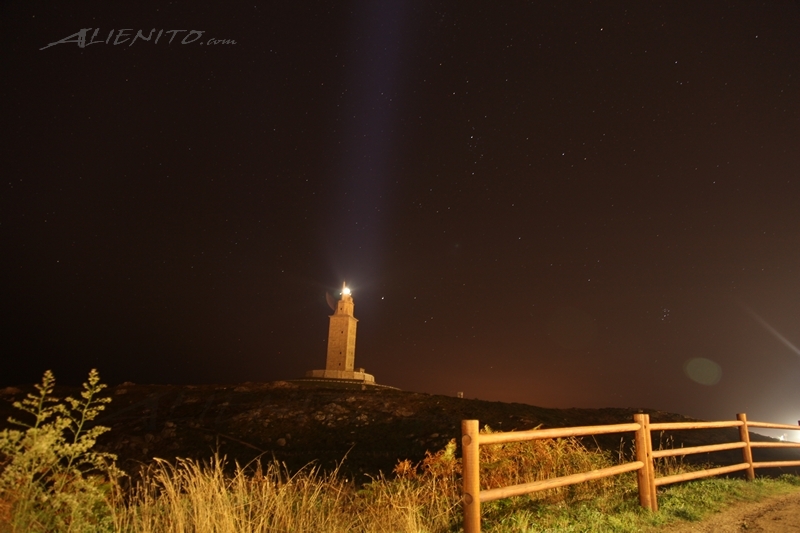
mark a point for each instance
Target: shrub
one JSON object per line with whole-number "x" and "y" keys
{"x": 50, "y": 477}
{"x": 535, "y": 460}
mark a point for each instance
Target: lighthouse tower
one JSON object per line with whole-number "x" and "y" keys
{"x": 340, "y": 361}
{"x": 342, "y": 335}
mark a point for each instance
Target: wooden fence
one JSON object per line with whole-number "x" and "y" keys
{"x": 472, "y": 439}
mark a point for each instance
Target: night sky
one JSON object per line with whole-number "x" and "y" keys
{"x": 566, "y": 204}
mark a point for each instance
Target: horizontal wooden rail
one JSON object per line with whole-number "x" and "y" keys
{"x": 771, "y": 425}
{"x": 666, "y": 426}
{"x": 698, "y": 449}
{"x": 666, "y": 480}
{"x": 527, "y": 488}
{"x": 556, "y": 433}
{"x": 775, "y": 464}
{"x": 775, "y": 444}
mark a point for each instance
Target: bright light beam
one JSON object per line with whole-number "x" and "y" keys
{"x": 772, "y": 330}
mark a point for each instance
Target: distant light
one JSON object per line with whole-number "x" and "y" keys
{"x": 345, "y": 291}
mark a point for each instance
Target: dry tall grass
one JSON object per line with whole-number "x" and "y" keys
{"x": 424, "y": 497}
{"x": 190, "y": 496}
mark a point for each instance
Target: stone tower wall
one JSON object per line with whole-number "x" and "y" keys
{"x": 342, "y": 337}
{"x": 341, "y": 343}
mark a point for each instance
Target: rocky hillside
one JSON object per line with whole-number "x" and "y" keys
{"x": 366, "y": 430}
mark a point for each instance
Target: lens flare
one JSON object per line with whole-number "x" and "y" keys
{"x": 703, "y": 371}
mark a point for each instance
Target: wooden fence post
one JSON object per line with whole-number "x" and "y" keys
{"x": 645, "y": 476}
{"x": 470, "y": 466}
{"x": 651, "y": 464}
{"x": 747, "y": 451}
{"x": 639, "y": 443}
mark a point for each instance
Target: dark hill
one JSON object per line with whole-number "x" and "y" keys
{"x": 297, "y": 424}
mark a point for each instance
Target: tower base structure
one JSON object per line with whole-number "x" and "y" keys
{"x": 340, "y": 379}
{"x": 349, "y": 375}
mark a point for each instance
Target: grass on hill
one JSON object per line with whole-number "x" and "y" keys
{"x": 52, "y": 480}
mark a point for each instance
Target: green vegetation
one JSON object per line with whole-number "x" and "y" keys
{"x": 52, "y": 480}
{"x": 689, "y": 502}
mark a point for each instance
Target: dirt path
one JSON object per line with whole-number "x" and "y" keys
{"x": 780, "y": 514}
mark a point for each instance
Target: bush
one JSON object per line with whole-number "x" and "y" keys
{"x": 514, "y": 463}
{"x": 50, "y": 478}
